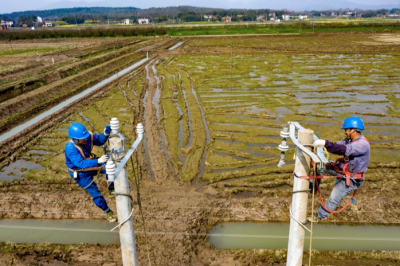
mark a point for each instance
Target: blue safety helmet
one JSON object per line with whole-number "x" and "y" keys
{"x": 353, "y": 122}
{"x": 78, "y": 131}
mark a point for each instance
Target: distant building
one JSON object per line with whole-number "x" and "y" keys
{"x": 240, "y": 16}
{"x": 127, "y": 21}
{"x": 48, "y": 23}
{"x": 228, "y": 19}
{"x": 208, "y": 17}
{"x": 6, "y": 23}
{"x": 302, "y": 16}
{"x": 261, "y": 17}
{"x": 287, "y": 16}
{"x": 143, "y": 21}
{"x": 272, "y": 14}
{"x": 3, "y": 25}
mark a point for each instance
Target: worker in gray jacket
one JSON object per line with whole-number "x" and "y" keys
{"x": 350, "y": 168}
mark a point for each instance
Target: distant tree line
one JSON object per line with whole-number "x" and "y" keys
{"x": 168, "y": 14}
{"x": 83, "y": 32}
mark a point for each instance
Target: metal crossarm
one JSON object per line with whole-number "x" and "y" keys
{"x": 313, "y": 156}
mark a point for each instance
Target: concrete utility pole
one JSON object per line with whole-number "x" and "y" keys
{"x": 122, "y": 193}
{"x": 299, "y": 201}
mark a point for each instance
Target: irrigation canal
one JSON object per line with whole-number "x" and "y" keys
{"x": 251, "y": 235}
{"x": 247, "y": 235}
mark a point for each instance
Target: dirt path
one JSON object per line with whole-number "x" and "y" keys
{"x": 159, "y": 164}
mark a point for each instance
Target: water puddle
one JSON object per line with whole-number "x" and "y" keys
{"x": 39, "y": 157}
{"x": 189, "y": 118}
{"x": 231, "y": 95}
{"x": 157, "y": 94}
{"x": 58, "y": 231}
{"x": 241, "y": 125}
{"x": 126, "y": 97}
{"x": 251, "y": 235}
{"x": 229, "y": 141}
{"x": 239, "y": 158}
{"x": 175, "y": 46}
{"x": 208, "y": 136}
{"x": 242, "y": 168}
{"x": 86, "y": 119}
{"x": 17, "y": 169}
{"x": 58, "y": 107}
{"x": 181, "y": 133}
{"x": 42, "y": 152}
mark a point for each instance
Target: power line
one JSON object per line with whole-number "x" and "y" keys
{"x": 171, "y": 206}
{"x": 159, "y": 217}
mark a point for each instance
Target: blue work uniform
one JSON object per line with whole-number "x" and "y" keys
{"x": 75, "y": 161}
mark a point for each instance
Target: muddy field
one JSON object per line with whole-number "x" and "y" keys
{"x": 212, "y": 109}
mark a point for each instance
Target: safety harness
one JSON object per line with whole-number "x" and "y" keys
{"x": 92, "y": 156}
{"x": 344, "y": 172}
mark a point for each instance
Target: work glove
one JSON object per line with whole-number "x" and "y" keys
{"x": 103, "y": 159}
{"x": 107, "y": 130}
{"x": 319, "y": 143}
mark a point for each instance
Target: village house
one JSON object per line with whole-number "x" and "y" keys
{"x": 272, "y": 14}
{"x": 143, "y": 21}
{"x": 48, "y": 23}
{"x": 126, "y": 21}
{"x": 261, "y": 17}
{"x": 228, "y": 19}
{"x": 287, "y": 16}
{"x": 302, "y": 16}
{"x": 208, "y": 17}
{"x": 6, "y": 23}
{"x": 3, "y": 25}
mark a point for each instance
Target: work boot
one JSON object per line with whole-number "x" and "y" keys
{"x": 111, "y": 193}
{"x": 110, "y": 217}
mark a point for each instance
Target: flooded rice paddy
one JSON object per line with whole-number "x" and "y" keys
{"x": 245, "y": 105}
{"x": 221, "y": 116}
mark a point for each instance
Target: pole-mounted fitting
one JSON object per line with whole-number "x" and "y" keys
{"x": 110, "y": 171}
{"x": 140, "y": 130}
{"x": 116, "y": 141}
{"x": 283, "y": 147}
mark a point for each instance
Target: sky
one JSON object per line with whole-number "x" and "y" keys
{"x": 296, "y": 5}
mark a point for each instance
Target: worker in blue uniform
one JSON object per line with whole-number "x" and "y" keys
{"x": 83, "y": 166}
{"x": 350, "y": 168}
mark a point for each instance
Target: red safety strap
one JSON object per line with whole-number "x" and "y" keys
{"x": 315, "y": 177}
{"x": 345, "y": 170}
